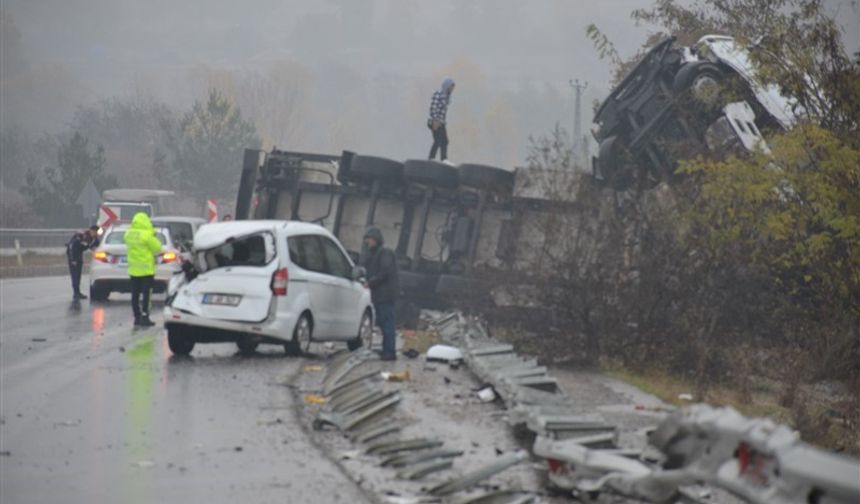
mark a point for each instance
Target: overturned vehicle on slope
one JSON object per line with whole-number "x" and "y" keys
{"x": 678, "y": 102}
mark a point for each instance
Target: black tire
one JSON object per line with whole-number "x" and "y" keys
{"x": 301, "y": 339}
{"x": 365, "y": 332}
{"x": 455, "y": 286}
{"x": 692, "y": 76}
{"x": 179, "y": 341}
{"x": 247, "y": 346}
{"x": 370, "y": 168}
{"x": 416, "y": 282}
{"x": 615, "y": 165}
{"x": 486, "y": 177}
{"x": 99, "y": 294}
{"x": 431, "y": 173}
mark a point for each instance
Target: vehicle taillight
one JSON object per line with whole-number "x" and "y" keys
{"x": 101, "y": 256}
{"x": 168, "y": 257}
{"x": 279, "y": 282}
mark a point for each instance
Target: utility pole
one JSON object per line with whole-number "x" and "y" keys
{"x": 578, "y": 88}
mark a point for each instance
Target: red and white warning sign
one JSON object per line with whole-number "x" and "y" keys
{"x": 211, "y": 210}
{"x": 107, "y": 217}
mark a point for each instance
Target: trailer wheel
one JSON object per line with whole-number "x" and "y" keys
{"x": 430, "y": 173}
{"x": 486, "y": 177}
{"x": 370, "y": 168}
{"x": 615, "y": 164}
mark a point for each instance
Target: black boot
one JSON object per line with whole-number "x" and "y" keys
{"x": 145, "y": 322}
{"x": 80, "y": 295}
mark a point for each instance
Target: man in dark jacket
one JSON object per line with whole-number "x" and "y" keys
{"x": 81, "y": 241}
{"x": 381, "y": 265}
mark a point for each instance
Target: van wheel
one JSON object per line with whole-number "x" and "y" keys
{"x": 302, "y": 336}
{"x": 246, "y": 346}
{"x": 98, "y": 293}
{"x": 179, "y": 341}
{"x": 365, "y": 333}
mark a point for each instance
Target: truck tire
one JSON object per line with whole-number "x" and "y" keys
{"x": 413, "y": 282}
{"x": 614, "y": 164}
{"x": 692, "y": 76}
{"x": 455, "y": 286}
{"x": 486, "y": 177}
{"x": 370, "y": 168}
{"x": 430, "y": 173}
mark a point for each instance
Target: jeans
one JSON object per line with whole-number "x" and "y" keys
{"x": 385, "y": 321}
{"x": 141, "y": 286}
{"x": 75, "y": 271}
{"x": 440, "y": 141}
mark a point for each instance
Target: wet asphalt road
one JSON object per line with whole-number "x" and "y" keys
{"x": 94, "y": 411}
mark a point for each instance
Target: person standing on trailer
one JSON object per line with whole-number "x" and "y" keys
{"x": 75, "y": 247}
{"x": 142, "y": 246}
{"x": 436, "y": 122}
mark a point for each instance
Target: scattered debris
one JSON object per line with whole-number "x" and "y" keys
{"x": 472, "y": 478}
{"x": 487, "y": 394}
{"x": 122, "y": 349}
{"x": 685, "y": 397}
{"x": 144, "y": 464}
{"x": 444, "y": 353}
{"x": 411, "y": 353}
{"x": 389, "y": 447}
{"x": 314, "y": 399}
{"x": 39, "y": 340}
{"x": 418, "y": 471}
{"x": 396, "y": 376}
{"x": 407, "y": 459}
{"x": 350, "y": 454}
{"x": 312, "y": 368}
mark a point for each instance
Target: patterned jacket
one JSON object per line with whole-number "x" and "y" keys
{"x": 438, "y": 106}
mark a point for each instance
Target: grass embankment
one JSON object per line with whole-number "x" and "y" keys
{"x": 823, "y": 418}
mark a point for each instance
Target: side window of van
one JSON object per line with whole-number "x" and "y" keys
{"x": 338, "y": 264}
{"x": 307, "y": 253}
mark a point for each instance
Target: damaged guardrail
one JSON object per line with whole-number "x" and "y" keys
{"x": 754, "y": 459}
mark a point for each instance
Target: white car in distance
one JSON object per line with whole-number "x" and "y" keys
{"x": 267, "y": 281}
{"x": 109, "y": 267}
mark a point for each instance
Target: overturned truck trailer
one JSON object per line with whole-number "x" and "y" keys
{"x": 445, "y": 223}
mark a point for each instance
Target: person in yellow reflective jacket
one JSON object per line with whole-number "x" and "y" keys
{"x": 142, "y": 246}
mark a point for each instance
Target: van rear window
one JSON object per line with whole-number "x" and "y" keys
{"x": 253, "y": 250}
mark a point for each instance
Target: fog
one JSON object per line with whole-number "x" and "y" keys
{"x": 325, "y": 75}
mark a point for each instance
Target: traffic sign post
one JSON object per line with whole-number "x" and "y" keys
{"x": 211, "y": 210}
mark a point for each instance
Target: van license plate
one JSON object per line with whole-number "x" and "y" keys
{"x": 221, "y": 299}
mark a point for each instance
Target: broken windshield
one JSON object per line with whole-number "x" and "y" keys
{"x": 252, "y": 250}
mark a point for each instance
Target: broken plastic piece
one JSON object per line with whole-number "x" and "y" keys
{"x": 444, "y": 353}
{"x": 487, "y": 394}
{"x": 314, "y": 399}
{"x": 396, "y": 376}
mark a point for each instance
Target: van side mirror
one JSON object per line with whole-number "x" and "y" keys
{"x": 358, "y": 272}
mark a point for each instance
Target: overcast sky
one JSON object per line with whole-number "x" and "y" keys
{"x": 117, "y": 47}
